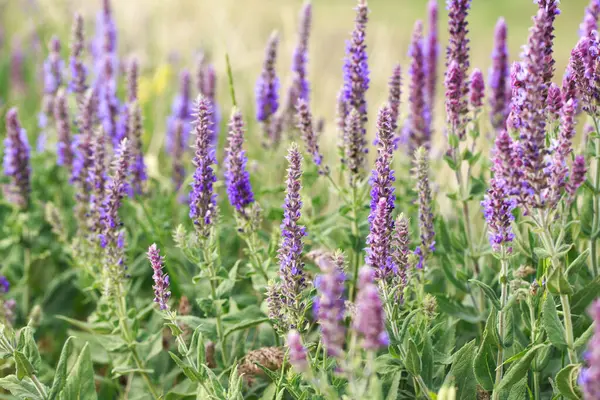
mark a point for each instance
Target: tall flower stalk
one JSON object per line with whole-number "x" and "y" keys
{"x": 16, "y": 161}
{"x": 432, "y": 49}
{"x": 77, "y": 69}
{"x": 499, "y": 83}
{"x": 267, "y": 93}
{"x": 417, "y": 128}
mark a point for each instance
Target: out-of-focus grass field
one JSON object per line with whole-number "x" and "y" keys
{"x": 166, "y": 35}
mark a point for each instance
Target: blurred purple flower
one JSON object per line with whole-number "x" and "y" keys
{"x": 161, "y": 280}
{"x": 499, "y": 78}
{"x": 369, "y": 320}
{"x": 16, "y": 161}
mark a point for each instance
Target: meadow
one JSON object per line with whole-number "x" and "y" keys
{"x": 292, "y": 200}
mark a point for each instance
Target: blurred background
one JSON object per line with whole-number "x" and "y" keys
{"x": 166, "y": 35}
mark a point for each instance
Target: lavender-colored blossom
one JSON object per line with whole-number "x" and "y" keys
{"x": 432, "y": 49}
{"x": 504, "y": 164}
{"x": 577, "y": 176}
{"x": 108, "y": 103}
{"x": 518, "y": 75}
{"x": 134, "y": 135}
{"x": 417, "y": 129}
{"x": 104, "y": 44}
{"x": 548, "y": 12}
{"x": 297, "y": 352}
{"x": 16, "y": 161}
{"x": 400, "y": 248}
{"x": 63, "y": 130}
{"x": 96, "y": 180}
{"x": 291, "y": 266}
{"x": 161, "y": 280}
{"x": 458, "y": 52}
{"x": 354, "y": 145}
{"x": 82, "y": 160}
{"x": 369, "y": 320}
{"x": 580, "y": 72}
{"x": 427, "y": 232}
{"x": 558, "y": 170}
{"x": 382, "y": 176}
{"x": 133, "y": 72}
{"x": 203, "y": 200}
{"x": 554, "y": 102}
{"x": 208, "y": 88}
{"x": 267, "y": 90}
{"x": 395, "y": 95}
{"x": 476, "y": 89}
{"x": 305, "y": 125}
{"x": 497, "y": 209}
{"x": 498, "y": 79}
{"x": 330, "y": 306}
{"x": 454, "y": 102}
{"x": 341, "y": 112}
{"x": 378, "y": 251}
{"x": 181, "y": 110}
{"x": 300, "y": 86}
{"x": 4, "y": 284}
{"x": 589, "y": 377}
{"x": 569, "y": 86}
{"x": 77, "y": 69}
{"x": 237, "y": 178}
{"x": 356, "y": 68}
{"x": 589, "y": 25}
{"x": 53, "y": 70}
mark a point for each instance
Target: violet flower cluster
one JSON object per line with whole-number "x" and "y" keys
{"x": 53, "y": 78}
{"x": 427, "y": 232}
{"x": 77, "y": 68}
{"x": 431, "y": 49}
{"x": 589, "y": 377}
{"x": 291, "y": 265}
{"x": 400, "y": 243}
{"x": 382, "y": 177}
{"x": 300, "y": 88}
{"x": 161, "y": 280}
{"x": 395, "y": 95}
{"x": 237, "y": 178}
{"x": 589, "y": 25}
{"x": 104, "y": 44}
{"x": 267, "y": 91}
{"x": 181, "y": 112}
{"x": 329, "y": 306}
{"x": 63, "y": 130}
{"x": 417, "y": 129}
{"x": 207, "y": 86}
{"x": 476, "y": 90}
{"x": 297, "y": 352}
{"x": 16, "y": 161}
{"x": 307, "y": 131}
{"x": 497, "y": 209}
{"x": 203, "y": 200}
{"x": 499, "y": 82}
{"x": 378, "y": 241}
{"x": 96, "y": 180}
{"x": 369, "y": 321}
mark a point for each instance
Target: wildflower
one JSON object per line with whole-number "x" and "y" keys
{"x": 424, "y": 200}
{"x": 476, "y": 90}
{"x": 354, "y": 144}
{"x": 589, "y": 377}
{"x": 203, "y": 200}
{"x": 108, "y": 102}
{"x": 267, "y": 91}
{"x": 178, "y": 169}
{"x": 161, "y": 280}
{"x": 395, "y": 94}
{"x": 369, "y": 320}
{"x": 548, "y": 12}
{"x": 53, "y": 70}
{"x": 382, "y": 176}
{"x": 589, "y": 25}
{"x": 237, "y": 178}
{"x": 400, "y": 248}
{"x": 16, "y": 161}
{"x": 417, "y": 129}
{"x": 300, "y": 89}
{"x": 305, "y": 125}
{"x": 554, "y": 102}
{"x": 97, "y": 180}
{"x": 504, "y": 163}
{"x": 134, "y": 134}
{"x": 82, "y": 159}
{"x": 78, "y": 70}
{"x": 454, "y": 105}
{"x": 297, "y": 352}
{"x": 104, "y": 44}
{"x": 499, "y": 78}
{"x": 291, "y": 266}
{"x": 330, "y": 305}
{"x": 181, "y": 110}
{"x": 378, "y": 242}
{"x": 4, "y": 284}
{"x": 275, "y": 307}
{"x": 578, "y": 171}
{"x": 431, "y": 49}
{"x": 497, "y": 209}
{"x": 63, "y": 130}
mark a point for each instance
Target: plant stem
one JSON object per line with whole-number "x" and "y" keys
{"x": 213, "y": 291}
{"x": 39, "y": 387}
{"x": 536, "y": 374}
{"x": 26, "y": 278}
{"x": 503, "y": 298}
{"x": 356, "y": 254}
{"x": 564, "y": 299}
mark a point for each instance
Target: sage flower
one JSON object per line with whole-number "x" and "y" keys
{"x": 424, "y": 201}
{"x": 378, "y": 251}
{"x": 395, "y": 95}
{"x": 237, "y": 178}
{"x": 161, "y": 280}
{"x": 431, "y": 49}
{"x": 497, "y": 209}
{"x": 498, "y": 79}
{"x": 369, "y": 320}
{"x": 63, "y": 130}
{"x": 77, "y": 68}
{"x": 181, "y": 110}
{"x": 16, "y": 161}
{"x": 53, "y": 72}
{"x": 476, "y": 90}
{"x": 297, "y": 352}
{"x": 417, "y": 129}
{"x": 307, "y": 131}
{"x": 267, "y": 91}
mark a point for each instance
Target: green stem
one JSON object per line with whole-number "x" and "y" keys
{"x": 39, "y": 387}
{"x": 254, "y": 258}
{"x": 564, "y": 299}
{"x": 503, "y": 299}
{"x": 219, "y": 311}
{"x": 26, "y": 278}
{"x": 536, "y": 375}
{"x": 357, "y": 251}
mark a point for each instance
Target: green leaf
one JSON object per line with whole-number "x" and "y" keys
{"x": 518, "y": 391}
{"x": 584, "y": 338}
{"x": 461, "y": 373}
{"x": 80, "y": 383}
{"x": 551, "y": 323}
{"x": 489, "y": 293}
{"x": 587, "y": 214}
{"x": 29, "y": 348}
{"x": 509, "y": 329}
{"x": 584, "y": 297}
{"x": 519, "y": 369}
{"x": 413, "y": 360}
{"x": 186, "y": 369}
{"x": 542, "y": 358}
{"x": 566, "y": 382}
{"x": 60, "y": 375}
{"x": 245, "y": 325}
{"x": 576, "y": 265}
{"x": 393, "y": 391}
{"x": 23, "y": 366}
{"x": 23, "y": 389}
{"x": 484, "y": 363}
{"x": 457, "y": 310}
{"x": 448, "y": 268}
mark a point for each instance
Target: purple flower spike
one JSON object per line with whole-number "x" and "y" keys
{"x": 82, "y": 161}
{"x": 424, "y": 200}
{"x": 96, "y": 180}
{"x": 589, "y": 25}
{"x": 432, "y": 49}
{"x": 548, "y": 12}
{"x": 356, "y": 67}
{"x": 63, "y": 130}
{"x": 104, "y": 44}
{"x": 203, "y": 200}
{"x": 209, "y": 90}
{"x": 578, "y": 172}
{"x": 330, "y": 306}
{"x": 16, "y": 161}
{"x": 237, "y": 178}
{"x": 4, "y": 284}
{"x": 554, "y": 102}
{"x": 300, "y": 85}
{"x": 497, "y": 208}
{"x": 378, "y": 242}
{"x": 417, "y": 129}
{"x": 305, "y": 125}
{"x": 78, "y": 70}
{"x": 133, "y": 72}
{"x": 382, "y": 176}
{"x": 53, "y": 70}
{"x": 400, "y": 248}
{"x": 558, "y": 169}
{"x": 589, "y": 377}
{"x": 181, "y": 110}
{"x": 354, "y": 145}
{"x": 297, "y": 352}
{"x": 134, "y": 134}
{"x": 108, "y": 102}
{"x": 369, "y": 320}
{"x": 291, "y": 266}
{"x": 161, "y": 280}
{"x": 499, "y": 78}
{"x": 476, "y": 90}
{"x": 505, "y": 163}
{"x": 267, "y": 90}
{"x": 454, "y": 102}
{"x": 395, "y": 95}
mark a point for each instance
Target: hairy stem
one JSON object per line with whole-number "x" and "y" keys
{"x": 536, "y": 375}
{"x": 213, "y": 292}
{"x": 357, "y": 251}
{"x": 501, "y": 322}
